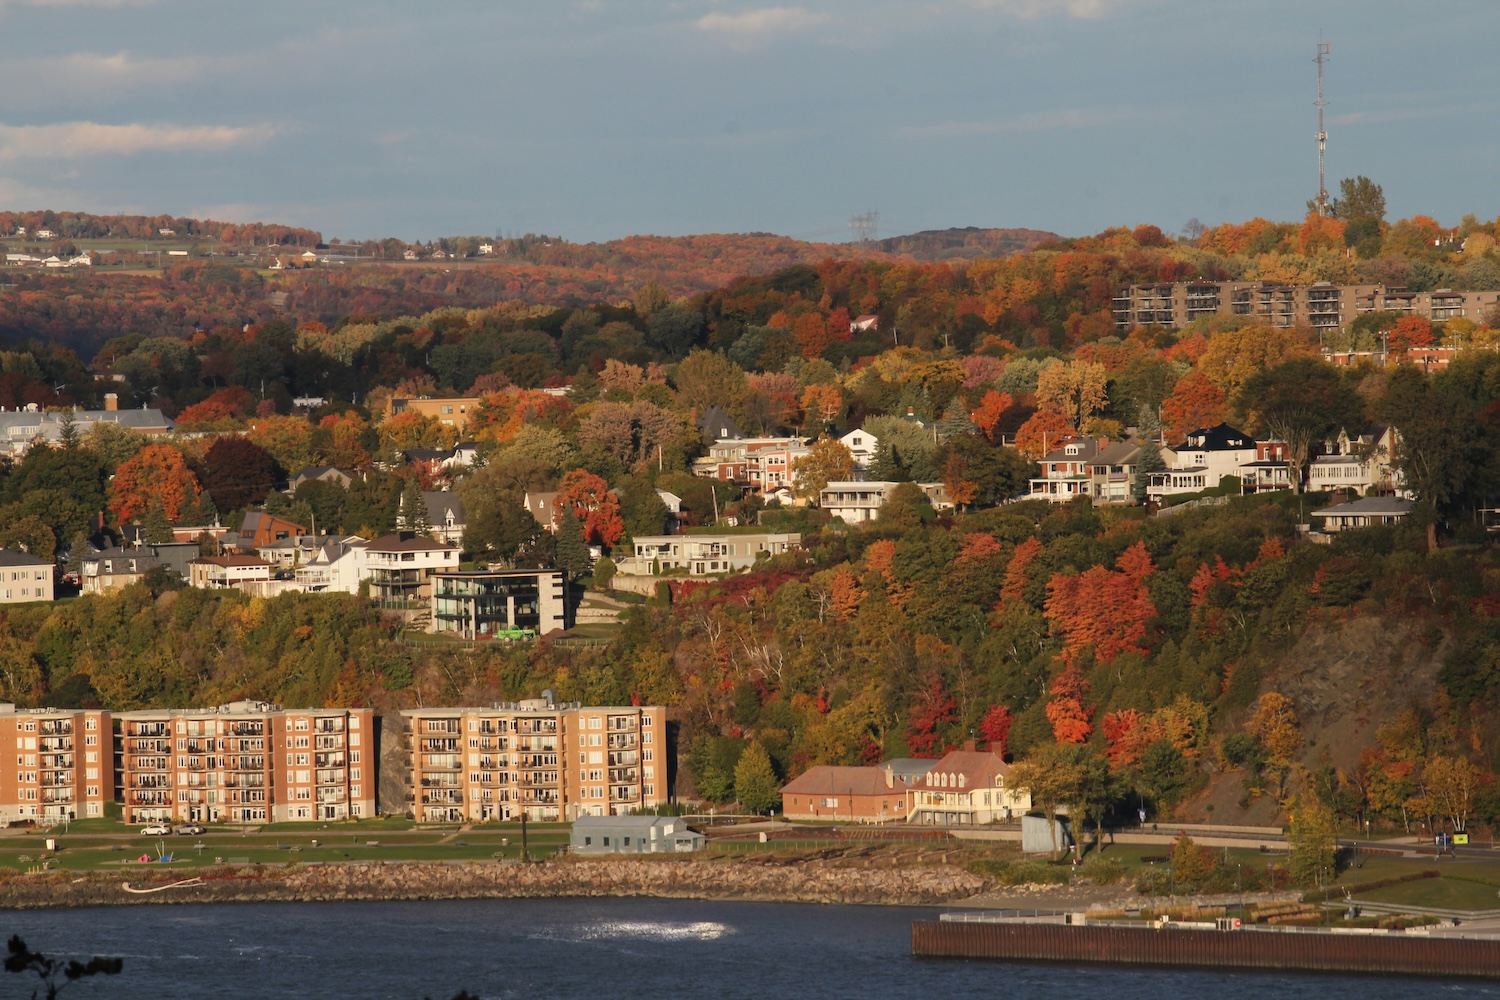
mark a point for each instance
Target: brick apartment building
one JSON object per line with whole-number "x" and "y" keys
{"x": 246, "y": 762}
{"x": 555, "y": 762}
{"x": 63, "y": 764}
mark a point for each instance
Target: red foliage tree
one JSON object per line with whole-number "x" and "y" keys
{"x": 1016, "y": 576}
{"x": 157, "y": 474}
{"x": 238, "y": 472}
{"x": 1195, "y": 402}
{"x": 932, "y": 713}
{"x": 594, "y": 503}
{"x": 1102, "y": 610}
{"x": 995, "y": 727}
{"x": 991, "y": 408}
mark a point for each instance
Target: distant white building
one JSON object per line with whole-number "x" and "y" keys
{"x": 1206, "y": 456}
{"x": 862, "y": 445}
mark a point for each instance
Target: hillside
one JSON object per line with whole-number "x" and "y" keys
{"x": 965, "y": 244}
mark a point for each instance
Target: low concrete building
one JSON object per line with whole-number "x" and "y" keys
{"x": 24, "y": 578}
{"x": 633, "y": 835}
{"x": 223, "y": 572}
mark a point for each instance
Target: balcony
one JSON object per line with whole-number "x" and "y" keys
{"x": 329, "y": 726}
{"x": 56, "y": 727}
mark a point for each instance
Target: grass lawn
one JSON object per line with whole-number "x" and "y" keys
{"x": 1438, "y": 893}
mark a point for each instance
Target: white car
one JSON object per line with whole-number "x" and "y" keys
{"x": 156, "y": 830}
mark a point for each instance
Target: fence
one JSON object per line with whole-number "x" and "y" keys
{"x": 1200, "y": 502}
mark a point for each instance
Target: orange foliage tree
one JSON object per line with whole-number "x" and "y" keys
{"x": 1195, "y": 402}
{"x": 1067, "y": 710}
{"x": 595, "y": 505}
{"x": 340, "y": 441}
{"x": 1411, "y": 331}
{"x": 1044, "y": 431}
{"x": 991, "y": 408}
{"x": 1101, "y": 610}
{"x": 157, "y": 474}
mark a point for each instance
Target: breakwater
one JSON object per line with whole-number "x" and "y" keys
{"x": 808, "y": 882}
{"x": 1398, "y": 953}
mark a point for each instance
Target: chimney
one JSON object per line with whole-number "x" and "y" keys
{"x": 969, "y": 746}
{"x": 111, "y": 402}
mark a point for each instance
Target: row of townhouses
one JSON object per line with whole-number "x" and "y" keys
{"x": 1323, "y": 306}
{"x": 253, "y": 762}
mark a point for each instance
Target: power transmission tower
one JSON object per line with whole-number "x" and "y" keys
{"x": 865, "y": 227}
{"x": 1325, "y": 49}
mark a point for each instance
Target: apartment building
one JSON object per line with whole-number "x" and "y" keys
{"x": 246, "y": 762}
{"x": 62, "y": 764}
{"x": 480, "y": 604}
{"x": 554, "y": 762}
{"x": 704, "y": 552}
{"x": 1323, "y": 306}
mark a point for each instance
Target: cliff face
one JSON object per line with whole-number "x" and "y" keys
{"x": 1344, "y": 679}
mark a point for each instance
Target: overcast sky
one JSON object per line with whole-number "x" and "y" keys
{"x": 603, "y": 118}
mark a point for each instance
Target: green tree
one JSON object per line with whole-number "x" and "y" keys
{"x": 1359, "y": 198}
{"x": 414, "y": 508}
{"x": 712, "y": 761}
{"x": 572, "y": 550}
{"x": 1301, "y": 402}
{"x": 1311, "y": 836}
{"x": 157, "y": 528}
{"x": 755, "y": 783}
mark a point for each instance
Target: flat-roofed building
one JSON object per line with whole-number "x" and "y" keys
{"x": 705, "y": 552}
{"x": 450, "y": 411}
{"x": 633, "y": 835}
{"x": 24, "y": 578}
{"x": 246, "y": 762}
{"x": 554, "y": 762}
{"x": 223, "y": 572}
{"x": 480, "y": 604}
{"x": 63, "y": 764}
{"x": 399, "y": 565}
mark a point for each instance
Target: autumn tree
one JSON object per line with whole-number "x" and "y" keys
{"x": 1044, "y": 431}
{"x": 237, "y": 473}
{"x": 1077, "y": 390}
{"x": 1312, "y": 837}
{"x": 995, "y": 727}
{"x": 827, "y": 460}
{"x": 156, "y": 474}
{"x": 593, "y": 504}
{"x": 755, "y": 784}
{"x": 935, "y": 711}
{"x": 1233, "y": 357}
{"x": 1452, "y": 784}
{"x": 1195, "y": 402}
{"x": 991, "y": 408}
{"x": 1067, "y": 710}
{"x": 1103, "y": 611}
{"x": 822, "y": 403}
{"x": 1274, "y": 725}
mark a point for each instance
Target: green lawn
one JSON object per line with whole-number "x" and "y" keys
{"x": 1437, "y": 893}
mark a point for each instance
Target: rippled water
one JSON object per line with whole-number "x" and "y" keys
{"x": 612, "y": 949}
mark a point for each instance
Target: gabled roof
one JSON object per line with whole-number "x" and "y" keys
{"x": 716, "y": 425}
{"x": 828, "y": 779}
{"x": 978, "y": 768}
{"x": 1083, "y": 450}
{"x": 440, "y": 503}
{"x": 1119, "y": 453}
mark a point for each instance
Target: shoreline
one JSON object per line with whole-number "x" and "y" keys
{"x": 807, "y": 882}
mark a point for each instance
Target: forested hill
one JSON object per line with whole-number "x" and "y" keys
{"x": 966, "y": 243}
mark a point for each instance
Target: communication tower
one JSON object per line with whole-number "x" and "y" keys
{"x": 1325, "y": 49}
{"x": 865, "y": 227}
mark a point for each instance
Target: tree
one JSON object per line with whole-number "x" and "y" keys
{"x": 827, "y": 460}
{"x": 704, "y": 379}
{"x": 1042, "y": 432}
{"x": 935, "y": 712}
{"x": 1452, "y": 783}
{"x": 413, "y": 516}
{"x": 1233, "y": 357}
{"x": 1106, "y": 612}
{"x": 156, "y": 474}
{"x": 593, "y": 504}
{"x": 21, "y": 959}
{"x": 1195, "y": 402}
{"x": 755, "y": 784}
{"x": 1302, "y": 401}
{"x": 1311, "y": 835}
{"x": 1076, "y": 390}
{"x": 991, "y": 408}
{"x": 1067, "y": 711}
{"x": 1273, "y": 723}
{"x": 237, "y": 473}
{"x": 995, "y": 727}
{"x": 1359, "y": 198}
{"x": 1074, "y": 775}
{"x": 572, "y": 549}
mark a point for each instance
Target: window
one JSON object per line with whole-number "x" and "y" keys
{"x": 595, "y": 722}
{"x": 354, "y": 756}
{"x": 588, "y": 841}
{"x": 91, "y": 741}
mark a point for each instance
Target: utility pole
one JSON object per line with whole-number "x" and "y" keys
{"x": 1325, "y": 49}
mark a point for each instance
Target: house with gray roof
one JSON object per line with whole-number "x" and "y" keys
{"x": 633, "y": 835}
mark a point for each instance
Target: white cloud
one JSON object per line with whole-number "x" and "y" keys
{"x": 753, "y": 28}
{"x": 77, "y": 140}
{"x": 1032, "y": 9}
{"x": 1033, "y": 121}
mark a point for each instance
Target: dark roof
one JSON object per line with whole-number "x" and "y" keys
{"x": 1220, "y": 437}
{"x": 11, "y": 557}
{"x": 407, "y": 541}
{"x": 439, "y": 502}
{"x": 716, "y": 425}
{"x": 318, "y": 472}
{"x": 425, "y": 455}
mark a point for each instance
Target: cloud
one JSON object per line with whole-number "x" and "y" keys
{"x": 1032, "y": 121}
{"x": 77, "y": 140}
{"x": 1032, "y": 9}
{"x": 753, "y": 28}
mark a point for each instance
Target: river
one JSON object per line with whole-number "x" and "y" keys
{"x": 599, "y": 949}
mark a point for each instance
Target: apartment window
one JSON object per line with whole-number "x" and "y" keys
{"x": 473, "y": 742}
{"x": 91, "y": 741}
{"x": 302, "y": 742}
{"x": 303, "y": 793}
{"x": 356, "y": 791}
{"x": 596, "y": 757}
{"x": 301, "y": 725}
{"x": 91, "y": 757}
{"x": 583, "y": 758}
{"x": 354, "y": 739}
{"x": 473, "y": 725}
{"x": 595, "y": 740}
{"x": 91, "y": 773}
{"x": 303, "y": 777}
{"x": 646, "y": 737}
{"x": 92, "y": 791}
{"x": 288, "y": 725}
{"x": 588, "y": 841}
{"x": 354, "y": 756}
{"x": 353, "y": 774}
{"x": 648, "y": 789}
{"x": 289, "y": 759}
{"x": 595, "y": 722}
{"x": 302, "y": 760}
{"x": 353, "y": 722}
{"x": 647, "y": 755}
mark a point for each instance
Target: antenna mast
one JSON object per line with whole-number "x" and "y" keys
{"x": 1325, "y": 49}
{"x": 865, "y": 227}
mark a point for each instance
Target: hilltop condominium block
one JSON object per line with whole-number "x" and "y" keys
{"x": 246, "y": 762}
{"x": 554, "y": 762}
{"x": 62, "y": 764}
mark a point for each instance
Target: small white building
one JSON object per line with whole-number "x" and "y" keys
{"x": 1362, "y": 513}
{"x": 24, "y": 577}
{"x": 862, "y": 446}
{"x": 632, "y": 835}
{"x": 1204, "y": 458}
{"x": 704, "y": 553}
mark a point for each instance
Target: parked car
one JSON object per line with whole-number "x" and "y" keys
{"x": 189, "y": 830}
{"x": 156, "y": 830}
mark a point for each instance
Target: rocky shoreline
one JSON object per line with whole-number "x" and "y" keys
{"x": 804, "y": 882}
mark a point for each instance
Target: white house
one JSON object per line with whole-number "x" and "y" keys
{"x": 1361, "y": 463}
{"x": 862, "y": 445}
{"x": 967, "y": 787}
{"x": 337, "y": 566}
{"x": 703, "y": 553}
{"x": 1066, "y": 473}
{"x": 1206, "y": 456}
{"x": 853, "y": 501}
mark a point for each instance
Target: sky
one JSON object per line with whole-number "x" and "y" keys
{"x": 598, "y": 119}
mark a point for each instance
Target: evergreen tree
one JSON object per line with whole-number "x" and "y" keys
{"x": 572, "y": 550}
{"x": 157, "y": 529}
{"x": 414, "y": 508}
{"x": 1148, "y": 462}
{"x": 755, "y": 783}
